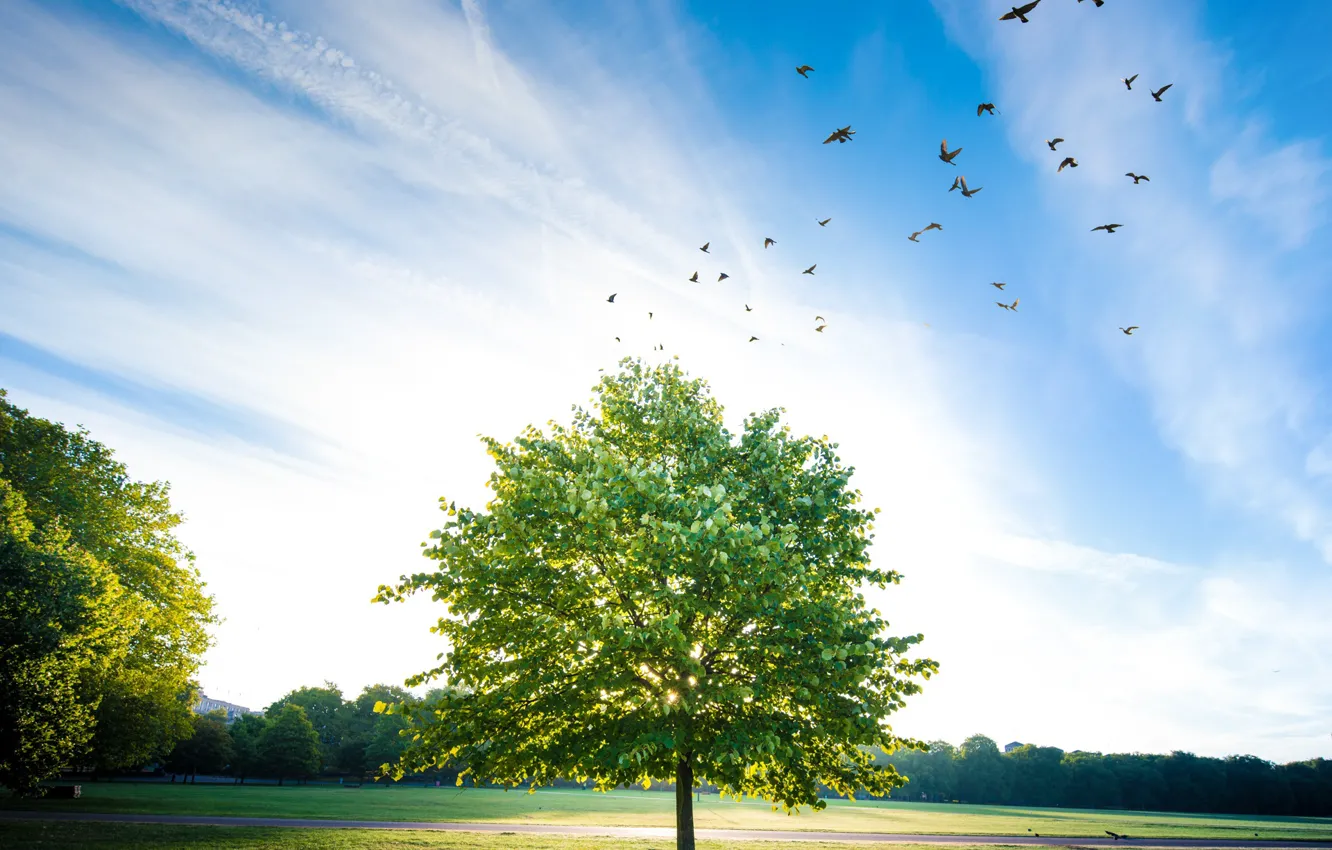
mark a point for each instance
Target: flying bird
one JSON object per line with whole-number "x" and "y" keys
{"x": 1128, "y": 81}
{"x": 1138, "y": 177}
{"x": 1053, "y": 142}
{"x": 957, "y": 183}
{"x": 915, "y": 237}
{"x": 1020, "y": 12}
{"x": 617, "y": 339}
{"x": 933, "y": 226}
{"x": 998, "y": 285}
{"x": 1156, "y": 95}
{"x": 722, "y": 277}
{"x": 1012, "y": 306}
{"x": 1068, "y": 161}
{"x": 810, "y": 270}
{"x": 946, "y": 155}
{"x": 649, "y": 314}
{"x": 967, "y": 193}
{"x": 984, "y": 107}
{"x": 820, "y": 328}
{"x": 804, "y": 70}
{"x": 767, "y": 242}
{"x": 820, "y": 319}
{"x": 748, "y": 309}
{"x": 611, "y": 300}
{"x": 694, "y": 279}
{"x": 704, "y": 249}
{"x": 842, "y": 134}
{"x": 1108, "y": 228}
{"x": 1128, "y": 331}
{"x": 824, "y": 223}
{"x": 1099, "y": 3}
{"x": 753, "y": 339}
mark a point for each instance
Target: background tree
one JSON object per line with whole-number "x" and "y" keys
{"x": 207, "y": 750}
{"x": 63, "y": 622}
{"x": 247, "y": 732}
{"x": 982, "y": 773}
{"x": 650, "y": 596}
{"x": 289, "y": 746}
{"x": 371, "y": 739}
{"x": 1089, "y": 782}
{"x": 324, "y": 707}
{"x": 1181, "y": 782}
{"x": 1036, "y": 775}
{"x": 141, "y": 701}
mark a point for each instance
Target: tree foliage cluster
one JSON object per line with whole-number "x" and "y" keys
{"x": 311, "y": 730}
{"x": 650, "y": 595}
{"x": 103, "y": 616}
{"x": 353, "y": 739}
{"x": 1029, "y": 775}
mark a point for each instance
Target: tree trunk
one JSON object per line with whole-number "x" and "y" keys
{"x": 684, "y": 802}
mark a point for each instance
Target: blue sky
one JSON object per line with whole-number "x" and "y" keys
{"x": 293, "y": 256}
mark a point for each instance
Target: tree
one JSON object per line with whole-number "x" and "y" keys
{"x": 208, "y": 749}
{"x": 1089, "y": 783}
{"x": 324, "y": 707}
{"x": 371, "y": 739}
{"x": 650, "y": 596}
{"x": 1037, "y": 775}
{"x": 289, "y": 747}
{"x": 981, "y": 771}
{"x": 63, "y": 619}
{"x": 73, "y": 483}
{"x": 247, "y": 733}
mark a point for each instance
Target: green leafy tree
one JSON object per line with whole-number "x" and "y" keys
{"x": 247, "y": 732}
{"x": 208, "y": 750}
{"x": 63, "y": 623}
{"x": 651, "y": 596}
{"x": 1037, "y": 775}
{"x": 933, "y": 772}
{"x": 371, "y": 739}
{"x": 71, "y": 482}
{"x": 289, "y": 747}
{"x": 981, "y": 771}
{"x": 325, "y": 709}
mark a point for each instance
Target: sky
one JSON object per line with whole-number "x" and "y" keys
{"x": 294, "y": 256}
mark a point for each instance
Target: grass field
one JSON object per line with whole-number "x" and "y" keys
{"x": 62, "y": 836}
{"x": 638, "y": 808}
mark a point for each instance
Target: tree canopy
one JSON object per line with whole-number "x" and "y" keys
{"x": 208, "y": 750}
{"x": 323, "y": 707}
{"x": 62, "y": 618}
{"x": 648, "y": 595}
{"x": 289, "y": 744}
{"x": 73, "y": 483}
{"x": 1031, "y": 775}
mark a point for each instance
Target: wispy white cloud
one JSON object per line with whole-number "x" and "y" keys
{"x": 1221, "y": 310}
{"x": 1285, "y": 189}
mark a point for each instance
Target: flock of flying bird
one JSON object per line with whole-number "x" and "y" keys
{"x": 842, "y": 135}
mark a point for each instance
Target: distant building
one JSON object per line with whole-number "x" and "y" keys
{"x": 1013, "y": 745}
{"x": 206, "y": 705}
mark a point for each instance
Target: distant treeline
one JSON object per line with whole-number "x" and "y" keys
{"x": 978, "y": 772}
{"x": 311, "y": 731}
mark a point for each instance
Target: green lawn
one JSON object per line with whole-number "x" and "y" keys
{"x": 48, "y": 835}
{"x": 639, "y": 808}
